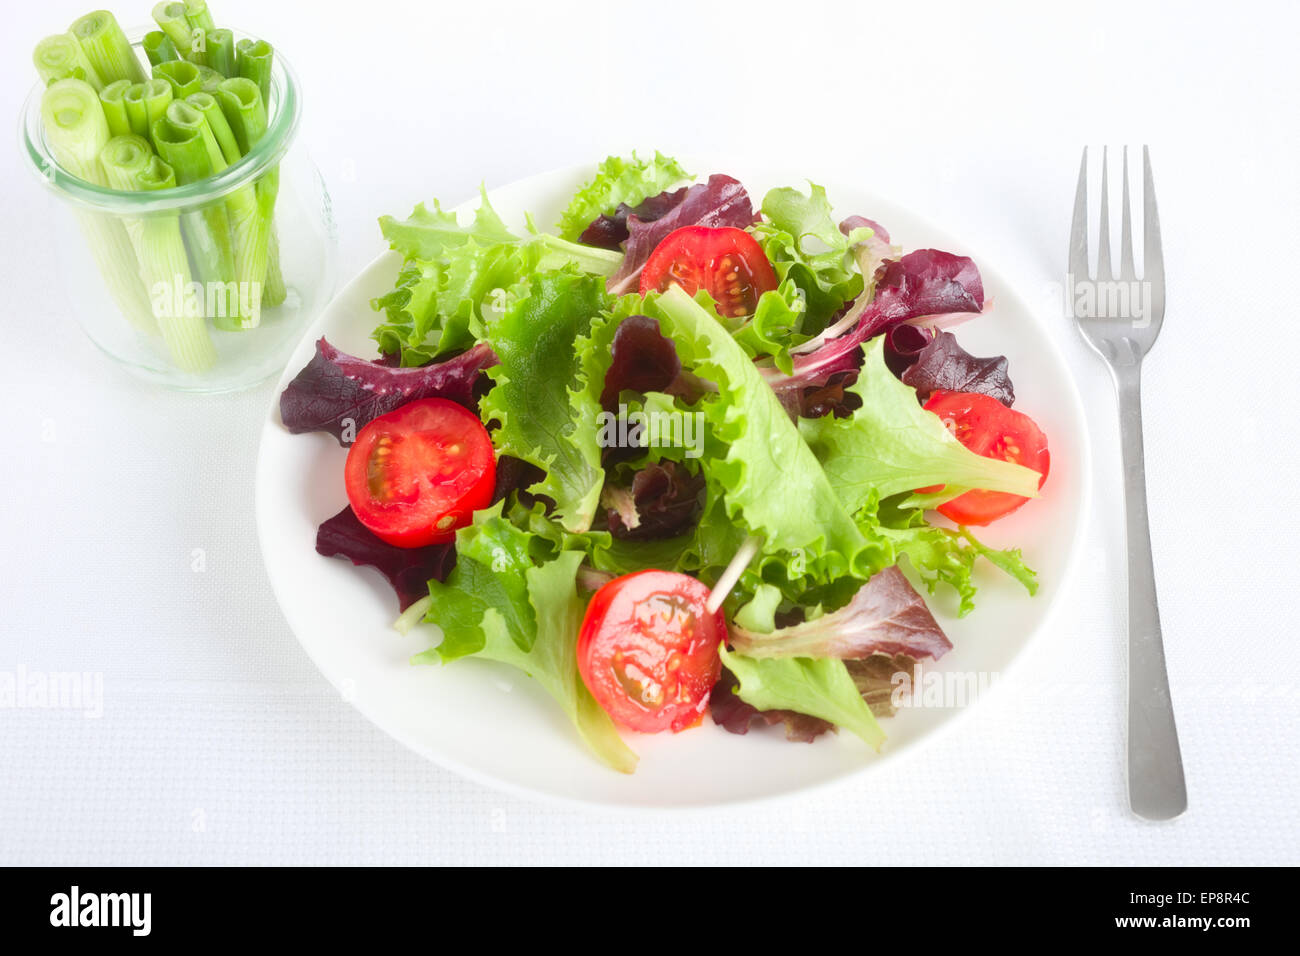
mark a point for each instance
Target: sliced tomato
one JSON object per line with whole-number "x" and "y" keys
{"x": 727, "y": 263}
{"x": 989, "y": 428}
{"x": 648, "y": 650}
{"x": 418, "y": 473}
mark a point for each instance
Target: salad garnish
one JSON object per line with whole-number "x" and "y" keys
{"x": 756, "y": 564}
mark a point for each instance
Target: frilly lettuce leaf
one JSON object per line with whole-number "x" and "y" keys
{"x": 618, "y": 180}
{"x": 804, "y": 242}
{"x": 819, "y": 687}
{"x": 429, "y": 234}
{"x": 541, "y": 397}
{"x": 511, "y": 598}
{"x": 891, "y": 445}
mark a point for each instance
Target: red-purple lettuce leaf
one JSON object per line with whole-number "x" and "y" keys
{"x": 885, "y": 616}
{"x": 408, "y": 570}
{"x": 920, "y": 283}
{"x": 944, "y": 366}
{"x": 340, "y": 393}
{"x": 722, "y": 201}
{"x": 663, "y": 502}
{"x": 903, "y": 345}
{"x": 610, "y": 232}
{"x": 642, "y": 359}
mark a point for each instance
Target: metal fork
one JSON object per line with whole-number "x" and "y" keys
{"x": 1120, "y": 317}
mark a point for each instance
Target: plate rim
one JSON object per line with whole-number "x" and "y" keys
{"x": 1082, "y": 453}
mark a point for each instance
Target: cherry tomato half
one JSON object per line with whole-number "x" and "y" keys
{"x": 648, "y": 650}
{"x": 418, "y": 473}
{"x": 727, "y": 263}
{"x": 989, "y": 428}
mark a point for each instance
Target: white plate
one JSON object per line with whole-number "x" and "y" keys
{"x": 492, "y": 724}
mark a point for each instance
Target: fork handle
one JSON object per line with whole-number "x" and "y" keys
{"x": 1156, "y": 789}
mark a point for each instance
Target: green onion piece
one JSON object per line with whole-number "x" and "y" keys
{"x": 255, "y": 58}
{"x": 186, "y": 118}
{"x": 241, "y": 101}
{"x": 137, "y": 115}
{"x": 182, "y": 75}
{"x": 60, "y": 57}
{"x": 77, "y": 131}
{"x": 196, "y": 13}
{"x": 158, "y": 95}
{"x": 165, "y": 269}
{"x": 207, "y": 104}
{"x": 106, "y": 47}
{"x": 207, "y": 230}
{"x": 209, "y": 79}
{"x": 122, "y": 158}
{"x": 170, "y": 18}
{"x": 159, "y": 48}
{"x": 221, "y": 51}
{"x": 112, "y": 100}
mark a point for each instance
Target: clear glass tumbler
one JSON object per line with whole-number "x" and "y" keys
{"x": 178, "y": 327}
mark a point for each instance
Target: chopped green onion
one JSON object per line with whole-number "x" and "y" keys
{"x": 209, "y": 79}
{"x": 196, "y": 13}
{"x": 137, "y": 116}
{"x": 159, "y": 48}
{"x": 158, "y": 95}
{"x": 170, "y": 18}
{"x": 241, "y": 101}
{"x": 77, "y": 132}
{"x": 160, "y": 250}
{"x": 112, "y": 100}
{"x": 182, "y": 75}
{"x": 106, "y": 47}
{"x": 207, "y": 104}
{"x": 207, "y": 229}
{"x": 255, "y": 58}
{"x": 60, "y": 57}
{"x": 221, "y": 51}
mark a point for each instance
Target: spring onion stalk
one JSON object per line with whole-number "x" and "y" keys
{"x": 171, "y": 20}
{"x": 137, "y": 116}
{"x": 207, "y": 230}
{"x": 159, "y": 48}
{"x": 241, "y": 102}
{"x": 207, "y": 105}
{"x": 221, "y": 51}
{"x": 106, "y": 47}
{"x": 209, "y": 79}
{"x": 158, "y": 96}
{"x": 182, "y": 75}
{"x": 60, "y": 57}
{"x": 196, "y": 13}
{"x": 112, "y": 99}
{"x": 130, "y": 164}
{"x": 77, "y": 132}
{"x": 254, "y": 63}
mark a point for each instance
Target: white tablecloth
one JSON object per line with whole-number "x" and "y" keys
{"x": 127, "y": 541}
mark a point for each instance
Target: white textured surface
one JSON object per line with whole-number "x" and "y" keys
{"x": 220, "y": 743}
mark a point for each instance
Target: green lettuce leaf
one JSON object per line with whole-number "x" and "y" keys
{"x": 541, "y": 399}
{"x": 619, "y": 180}
{"x": 502, "y": 603}
{"x": 758, "y": 464}
{"x": 891, "y": 445}
{"x": 429, "y": 234}
{"x": 806, "y": 247}
{"x": 820, "y": 687}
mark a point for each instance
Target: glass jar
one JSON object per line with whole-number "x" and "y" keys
{"x": 191, "y": 326}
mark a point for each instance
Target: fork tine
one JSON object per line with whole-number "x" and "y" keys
{"x": 1153, "y": 265}
{"x": 1126, "y": 270}
{"x": 1079, "y": 225}
{"x": 1104, "y": 271}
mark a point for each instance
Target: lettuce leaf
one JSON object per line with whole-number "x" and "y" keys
{"x": 891, "y": 445}
{"x": 806, "y": 246}
{"x": 511, "y": 599}
{"x": 618, "y": 180}
{"x": 541, "y": 399}
{"x": 429, "y": 234}
{"x": 819, "y": 687}
{"x": 758, "y": 464}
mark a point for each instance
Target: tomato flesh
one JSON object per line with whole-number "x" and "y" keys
{"x": 727, "y": 263}
{"x": 418, "y": 473}
{"x": 987, "y": 427}
{"x": 648, "y": 650}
